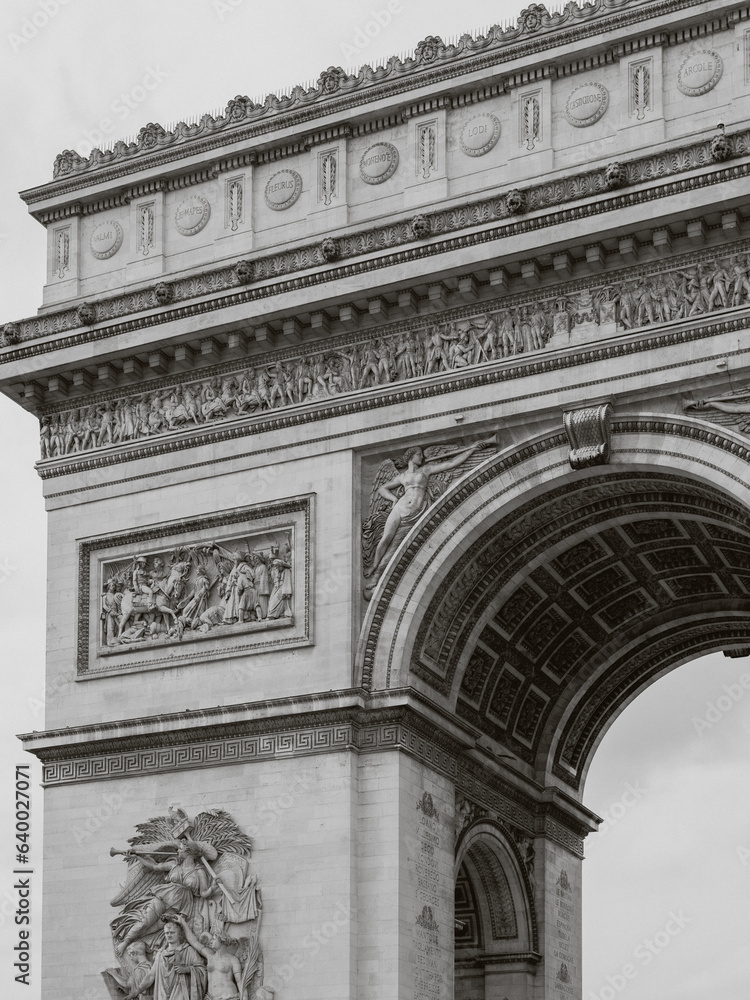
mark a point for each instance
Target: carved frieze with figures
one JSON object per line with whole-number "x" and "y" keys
{"x": 239, "y": 579}
{"x": 190, "y": 912}
{"x": 553, "y": 316}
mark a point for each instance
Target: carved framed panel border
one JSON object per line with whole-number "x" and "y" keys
{"x": 220, "y": 585}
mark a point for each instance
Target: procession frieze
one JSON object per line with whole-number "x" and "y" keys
{"x": 241, "y": 578}
{"x": 539, "y": 197}
{"x": 480, "y": 134}
{"x": 700, "y": 72}
{"x": 518, "y": 324}
{"x": 106, "y": 239}
{"x": 190, "y": 912}
{"x": 587, "y": 104}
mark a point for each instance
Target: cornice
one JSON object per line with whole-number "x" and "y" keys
{"x": 356, "y": 250}
{"x": 535, "y": 31}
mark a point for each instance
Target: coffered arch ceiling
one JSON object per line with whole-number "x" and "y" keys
{"x": 565, "y": 599}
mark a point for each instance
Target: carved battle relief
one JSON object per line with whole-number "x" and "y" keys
{"x": 480, "y": 134}
{"x": 282, "y": 190}
{"x": 190, "y": 912}
{"x": 700, "y": 72}
{"x": 239, "y": 578}
{"x": 587, "y": 104}
{"x": 192, "y": 215}
{"x": 106, "y": 239}
{"x": 379, "y": 163}
{"x": 402, "y": 491}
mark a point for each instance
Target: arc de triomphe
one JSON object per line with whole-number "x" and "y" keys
{"x": 394, "y": 437}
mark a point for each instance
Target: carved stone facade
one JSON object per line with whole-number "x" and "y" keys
{"x": 389, "y": 453}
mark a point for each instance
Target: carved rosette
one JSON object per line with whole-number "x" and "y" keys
{"x": 588, "y": 431}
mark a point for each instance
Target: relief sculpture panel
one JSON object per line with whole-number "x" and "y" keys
{"x": 240, "y": 578}
{"x": 462, "y": 338}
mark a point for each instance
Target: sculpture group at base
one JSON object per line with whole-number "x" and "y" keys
{"x": 190, "y": 921}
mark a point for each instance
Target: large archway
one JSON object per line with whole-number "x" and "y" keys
{"x": 531, "y": 604}
{"x": 534, "y": 603}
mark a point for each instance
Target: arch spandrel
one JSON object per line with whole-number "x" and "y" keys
{"x": 527, "y": 585}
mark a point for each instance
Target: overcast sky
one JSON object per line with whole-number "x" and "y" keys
{"x": 673, "y": 865}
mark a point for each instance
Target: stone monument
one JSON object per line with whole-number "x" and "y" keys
{"x": 394, "y": 436}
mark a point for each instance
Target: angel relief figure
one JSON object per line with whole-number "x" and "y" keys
{"x": 732, "y": 409}
{"x": 189, "y": 899}
{"x": 402, "y": 491}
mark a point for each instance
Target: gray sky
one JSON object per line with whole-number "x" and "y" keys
{"x": 678, "y": 841}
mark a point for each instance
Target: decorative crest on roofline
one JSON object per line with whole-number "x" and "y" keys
{"x": 533, "y": 22}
